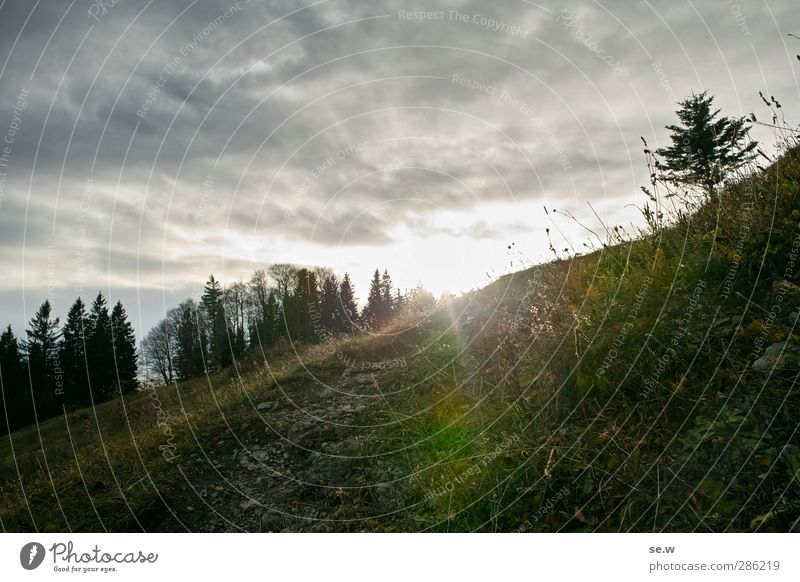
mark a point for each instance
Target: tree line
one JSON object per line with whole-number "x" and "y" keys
{"x": 283, "y": 303}
{"x": 89, "y": 360}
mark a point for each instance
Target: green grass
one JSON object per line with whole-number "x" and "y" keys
{"x": 607, "y": 392}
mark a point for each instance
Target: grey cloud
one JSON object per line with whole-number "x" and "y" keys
{"x": 380, "y": 80}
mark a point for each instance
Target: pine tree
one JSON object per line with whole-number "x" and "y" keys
{"x": 73, "y": 355}
{"x": 16, "y": 394}
{"x": 705, "y": 147}
{"x": 100, "y": 352}
{"x": 329, "y": 306}
{"x": 214, "y": 310}
{"x": 124, "y": 344}
{"x": 347, "y": 305}
{"x": 42, "y": 354}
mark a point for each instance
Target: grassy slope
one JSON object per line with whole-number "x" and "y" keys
{"x": 609, "y": 392}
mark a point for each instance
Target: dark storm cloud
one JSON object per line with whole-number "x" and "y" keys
{"x": 155, "y": 133}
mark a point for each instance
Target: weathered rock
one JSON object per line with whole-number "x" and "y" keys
{"x": 265, "y": 406}
{"x": 780, "y": 355}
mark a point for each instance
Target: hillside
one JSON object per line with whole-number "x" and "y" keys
{"x": 648, "y": 386}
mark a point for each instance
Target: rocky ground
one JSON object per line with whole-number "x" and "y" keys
{"x": 316, "y": 457}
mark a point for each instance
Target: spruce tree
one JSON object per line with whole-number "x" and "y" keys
{"x": 42, "y": 354}
{"x": 214, "y": 310}
{"x": 124, "y": 344}
{"x": 705, "y": 147}
{"x": 100, "y": 353}
{"x": 266, "y": 330}
{"x": 329, "y": 306}
{"x": 373, "y": 310}
{"x": 73, "y": 355}
{"x": 348, "y": 308}
{"x": 16, "y": 394}
{"x": 387, "y": 301}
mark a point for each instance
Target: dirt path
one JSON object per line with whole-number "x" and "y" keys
{"x": 307, "y": 461}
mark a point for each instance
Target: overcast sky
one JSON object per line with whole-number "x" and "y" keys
{"x": 148, "y": 144}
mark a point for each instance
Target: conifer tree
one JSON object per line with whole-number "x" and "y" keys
{"x": 373, "y": 310}
{"x": 705, "y": 147}
{"x": 73, "y": 355}
{"x": 100, "y": 351}
{"x": 348, "y": 308}
{"x": 267, "y": 330}
{"x": 387, "y": 301}
{"x": 42, "y": 355}
{"x": 329, "y": 305}
{"x": 16, "y": 394}
{"x": 214, "y": 310}
{"x": 124, "y": 342}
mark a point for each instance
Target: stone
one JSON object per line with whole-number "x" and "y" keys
{"x": 777, "y": 356}
{"x": 265, "y": 406}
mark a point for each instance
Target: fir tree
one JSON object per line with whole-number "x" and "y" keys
{"x": 387, "y": 301}
{"x": 348, "y": 308}
{"x": 100, "y": 352}
{"x": 329, "y": 305}
{"x": 124, "y": 349}
{"x": 73, "y": 355}
{"x": 705, "y": 147}
{"x": 373, "y": 315}
{"x": 42, "y": 354}
{"x": 214, "y": 310}
{"x": 267, "y": 329}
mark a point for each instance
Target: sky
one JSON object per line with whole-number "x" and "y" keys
{"x": 148, "y": 144}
